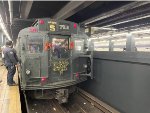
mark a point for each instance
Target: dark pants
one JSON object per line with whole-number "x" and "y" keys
{"x": 3, "y": 61}
{"x": 10, "y": 74}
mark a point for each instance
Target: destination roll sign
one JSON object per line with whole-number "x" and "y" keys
{"x": 57, "y": 26}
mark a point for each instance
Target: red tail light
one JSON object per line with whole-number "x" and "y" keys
{"x": 71, "y": 45}
{"x": 43, "y": 79}
{"x": 41, "y": 22}
{"x": 77, "y": 75}
{"x": 75, "y": 25}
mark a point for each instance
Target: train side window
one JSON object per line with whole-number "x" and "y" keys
{"x": 35, "y": 45}
{"x": 79, "y": 45}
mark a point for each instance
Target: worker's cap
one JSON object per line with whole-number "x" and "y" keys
{"x": 9, "y": 43}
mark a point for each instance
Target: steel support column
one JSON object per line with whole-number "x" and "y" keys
{"x": 71, "y": 8}
{"x": 25, "y": 9}
{"x": 1, "y": 38}
{"x": 130, "y": 43}
{"x": 111, "y": 45}
{"x": 4, "y": 39}
{"x": 89, "y": 31}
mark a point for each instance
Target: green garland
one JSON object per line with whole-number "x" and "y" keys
{"x": 60, "y": 65}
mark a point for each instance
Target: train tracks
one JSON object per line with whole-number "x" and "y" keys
{"x": 81, "y": 102}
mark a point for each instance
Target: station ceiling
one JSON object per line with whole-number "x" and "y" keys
{"x": 20, "y": 14}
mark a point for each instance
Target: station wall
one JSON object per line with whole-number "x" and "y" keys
{"x": 122, "y": 80}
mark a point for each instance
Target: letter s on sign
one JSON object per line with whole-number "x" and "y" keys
{"x": 52, "y": 27}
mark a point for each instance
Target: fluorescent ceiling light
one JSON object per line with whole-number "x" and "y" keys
{"x": 147, "y": 16}
{"x": 107, "y": 28}
{"x": 118, "y": 40}
{"x": 121, "y": 34}
{"x": 141, "y": 31}
{"x": 4, "y": 28}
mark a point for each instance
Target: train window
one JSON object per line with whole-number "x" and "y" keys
{"x": 35, "y": 45}
{"x": 60, "y": 47}
{"x": 79, "y": 44}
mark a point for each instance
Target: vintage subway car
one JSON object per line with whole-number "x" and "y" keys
{"x": 54, "y": 57}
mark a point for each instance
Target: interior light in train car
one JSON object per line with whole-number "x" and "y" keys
{"x": 75, "y": 25}
{"x": 41, "y": 21}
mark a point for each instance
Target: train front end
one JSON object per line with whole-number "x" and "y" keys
{"x": 54, "y": 58}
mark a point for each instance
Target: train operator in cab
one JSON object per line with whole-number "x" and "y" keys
{"x": 11, "y": 62}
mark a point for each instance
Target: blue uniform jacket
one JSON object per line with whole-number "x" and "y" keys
{"x": 10, "y": 56}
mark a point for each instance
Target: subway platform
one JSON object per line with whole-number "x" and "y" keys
{"x": 9, "y": 95}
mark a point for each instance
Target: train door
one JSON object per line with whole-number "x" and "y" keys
{"x": 34, "y": 46}
{"x": 60, "y": 59}
{"x": 34, "y": 59}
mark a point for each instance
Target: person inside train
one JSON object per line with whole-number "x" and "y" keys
{"x": 35, "y": 48}
{"x": 32, "y": 49}
{"x": 11, "y": 62}
{"x": 60, "y": 48}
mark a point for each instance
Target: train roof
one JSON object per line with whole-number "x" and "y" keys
{"x": 53, "y": 26}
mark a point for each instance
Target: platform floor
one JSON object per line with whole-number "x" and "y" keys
{"x": 9, "y": 95}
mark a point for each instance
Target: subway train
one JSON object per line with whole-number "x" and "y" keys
{"x": 54, "y": 57}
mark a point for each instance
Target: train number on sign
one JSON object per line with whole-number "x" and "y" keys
{"x": 64, "y": 27}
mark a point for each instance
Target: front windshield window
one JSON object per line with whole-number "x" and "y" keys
{"x": 60, "y": 47}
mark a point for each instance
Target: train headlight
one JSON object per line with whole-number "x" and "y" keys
{"x": 85, "y": 66}
{"x": 28, "y": 71}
